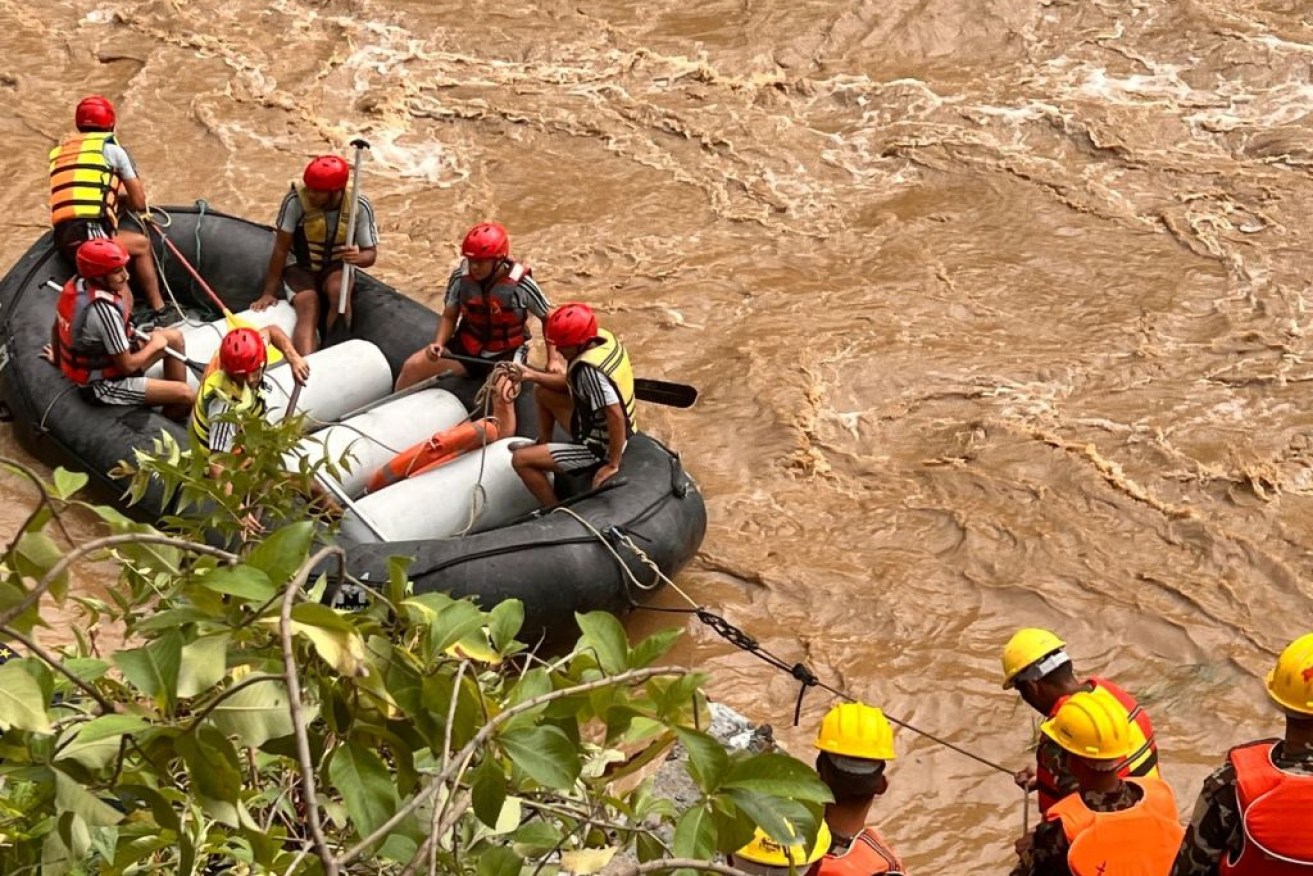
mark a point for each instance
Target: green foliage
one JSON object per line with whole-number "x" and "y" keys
{"x": 182, "y": 749}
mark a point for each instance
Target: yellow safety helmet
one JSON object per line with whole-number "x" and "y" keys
{"x": 773, "y": 857}
{"x": 1092, "y": 724}
{"x": 1290, "y": 683}
{"x": 1026, "y": 648}
{"x": 856, "y": 730}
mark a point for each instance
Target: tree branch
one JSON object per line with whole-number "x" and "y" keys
{"x": 680, "y": 864}
{"x": 45, "y": 501}
{"x": 106, "y": 707}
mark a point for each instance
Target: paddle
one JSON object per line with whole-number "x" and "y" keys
{"x": 342, "y": 325}
{"x": 661, "y": 392}
{"x": 233, "y": 320}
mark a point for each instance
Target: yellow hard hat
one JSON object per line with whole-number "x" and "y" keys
{"x": 1092, "y": 724}
{"x": 856, "y": 730}
{"x": 1290, "y": 683}
{"x": 1026, "y": 648}
{"x": 766, "y": 851}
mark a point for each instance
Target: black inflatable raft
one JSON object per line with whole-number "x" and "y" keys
{"x": 555, "y": 563}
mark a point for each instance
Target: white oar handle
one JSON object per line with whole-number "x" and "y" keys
{"x": 353, "y": 206}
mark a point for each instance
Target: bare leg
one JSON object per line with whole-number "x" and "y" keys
{"x": 333, "y": 291}
{"x": 143, "y": 265}
{"x": 306, "y": 304}
{"x": 558, "y": 403}
{"x": 503, "y": 406}
{"x": 532, "y": 464}
{"x": 419, "y": 367}
{"x": 176, "y": 397}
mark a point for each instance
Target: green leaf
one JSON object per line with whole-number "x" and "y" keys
{"x": 204, "y": 664}
{"x": 70, "y": 796}
{"x": 96, "y": 744}
{"x": 258, "y": 713}
{"x": 649, "y": 848}
{"x": 604, "y": 635}
{"x": 536, "y": 838}
{"x": 695, "y": 834}
{"x": 215, "y": 775}
{"x": 154, "y": 669}
{"x": 499, "y": 861}
{"x": 654, "y": 647}
{"x": 35, "y": 554}
{"x": 22, "y": 705}
{"x": 246, "y": 583}
{"x": 777, "y": 775}
{"x": 333, "y": 636}
{"x": 488, "y": 791}
{"x": 787, "y": 821}
{"x": 454, "y": 623}
{"x": 707, "y": 758}
{"x": 545, "y": 754}
{"x": 281, "y": 554}
{"x": 111, "y": 726}
{"x": 367, "y": 789}
{"x": 504, "y": 621}
{"x": 68, "y": 482}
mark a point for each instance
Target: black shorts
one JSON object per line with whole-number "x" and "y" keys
{"x": 481, "y": 372}
{"x": 75, "y": 232}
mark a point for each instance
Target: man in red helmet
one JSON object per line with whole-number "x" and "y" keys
{"x": 486, "y": 312}
{"x": 94, "y": 344}
{"x": 90, "y": 175}
{"x": 595, "y": 396}
{"x": 311, "y": 231}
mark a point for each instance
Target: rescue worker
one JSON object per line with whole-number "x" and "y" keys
{"x": 485, "y": 314}
{"x": 311, "y": 230}
{"x": 856, "y": 744}
{"x": 91, "y": 176}
{"x": 1254, "y": 816}
{"x": 1035, "y": 663}
{"x": 763, "y": 856}
{"x": 1108, "y": 827}
{"x": 595, "y": 396}
{"x": 94, "y": 344}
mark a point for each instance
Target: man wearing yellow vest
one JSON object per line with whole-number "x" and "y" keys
{"x": 310, "y": 247}
{"x": 1108, "y": 827}
{"x": 855, "y": 743}
{"x": 1036, "y": 664}
{"x": 1254, "y": 816}
{"x": 595, "y": 396}
{"x": 90, "y": 175}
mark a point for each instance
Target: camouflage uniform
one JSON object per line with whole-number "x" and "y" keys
{"x": 1049, "y": 755}
{"x": 1047, "y": 855}
{"x": 1216, "y": 827}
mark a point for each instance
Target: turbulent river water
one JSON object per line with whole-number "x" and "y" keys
{"x": 997, "y": 307}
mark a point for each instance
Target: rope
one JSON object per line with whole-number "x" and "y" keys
{"x": 41, "y": 426}
{"x": 484, "y": 399}
{"x": 159, "y": 263}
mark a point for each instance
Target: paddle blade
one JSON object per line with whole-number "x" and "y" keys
{"x": 662, "y": 392}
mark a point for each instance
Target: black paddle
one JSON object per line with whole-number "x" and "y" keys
{"x": 660, "y": 392}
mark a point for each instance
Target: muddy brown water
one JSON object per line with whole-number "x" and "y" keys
{"x": 997, "y": 307}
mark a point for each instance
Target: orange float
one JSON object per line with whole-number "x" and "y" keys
{"x": 438, "y": 450}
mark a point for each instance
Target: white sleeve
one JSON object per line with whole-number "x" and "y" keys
{"x": 119, "y": 159}
{"x": 289, "y": 213}
{"x": 366, "y": 227}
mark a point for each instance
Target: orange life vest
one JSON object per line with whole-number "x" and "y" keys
{"x": 489, "y": 320}
{"x": 867, "y": 855}
{"x": 83, "y": 185}
{"x": 1275, "y": 808}
{"x": 1143, "y": 761}
{"x": 80, "y": 365}
{"x": 1140, "y": 841}
{"x": 439, "y": 450}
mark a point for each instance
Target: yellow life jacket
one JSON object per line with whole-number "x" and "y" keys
{"x": 311, "y": 239}
{"x": 82, "y": 183}
{"x": 217, "y": 384}
{"x": 610, "y": 358}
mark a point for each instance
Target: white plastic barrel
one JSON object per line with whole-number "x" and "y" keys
{"x": 203, "y": 339}
{"x": 343, "y": 377}
{"x": 377, "y": 435}
{"x": 437, "y": 504}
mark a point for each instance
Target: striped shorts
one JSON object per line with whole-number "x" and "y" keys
{"x": 574, "y": 457}
{"x": 124, "y": 391}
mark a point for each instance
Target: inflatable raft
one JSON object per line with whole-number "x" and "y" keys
{"x": 470, "y": 526}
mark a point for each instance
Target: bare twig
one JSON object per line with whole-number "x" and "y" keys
{"x": 680, "y": 864}
{"x": 211, "y": 706}
{"x": 293, "y": 681}
{"x": 46, "y": 501}
{"x": 106, "y": 707}
{"x": 109, "y": 541}
{"x": 633, "y": 676}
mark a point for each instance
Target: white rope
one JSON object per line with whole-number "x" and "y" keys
{"x": 643, "y": 558}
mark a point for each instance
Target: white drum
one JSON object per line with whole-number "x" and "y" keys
{"x": 377, "y": 435}
{"x": 343, "y": 377}
{"x": 203, "y": 339}
{"x": 437, "y": 504}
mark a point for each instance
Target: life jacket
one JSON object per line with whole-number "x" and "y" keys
{"x": 79, "y": 364}
{"x": 490, "y": 321}
{"x": 1275, "y": 809}
{"x": 609, "y": 357}
{"x": 311, "y": 240}
{"x": 240, "y": 398}
{"x": 437, "y": 451}
{"x": 1140, "y": 841}
{"x": 1143, "y": 760}
{"x": 867, "y": 855}
{"x": 82, "y": 183}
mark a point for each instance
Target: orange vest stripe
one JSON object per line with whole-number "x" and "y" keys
{"x": 1140, "y": 841}
{"x": 1275, "y": 809}
{"x": 82, "y": 183}
{"x": 867, "y": 855}
{"x": 490, "y": 321}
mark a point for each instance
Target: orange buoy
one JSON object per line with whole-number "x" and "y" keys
{"x": 438, "y": 450}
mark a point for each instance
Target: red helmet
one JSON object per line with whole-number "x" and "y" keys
{"x": 327, "y": 173}
{"x": 487, "y": 240}
{"x": 94, "y": 113}
{"x": 571, "y": 325}
{"x": 100, "y": 256}
{"x": 242, "y": 352}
